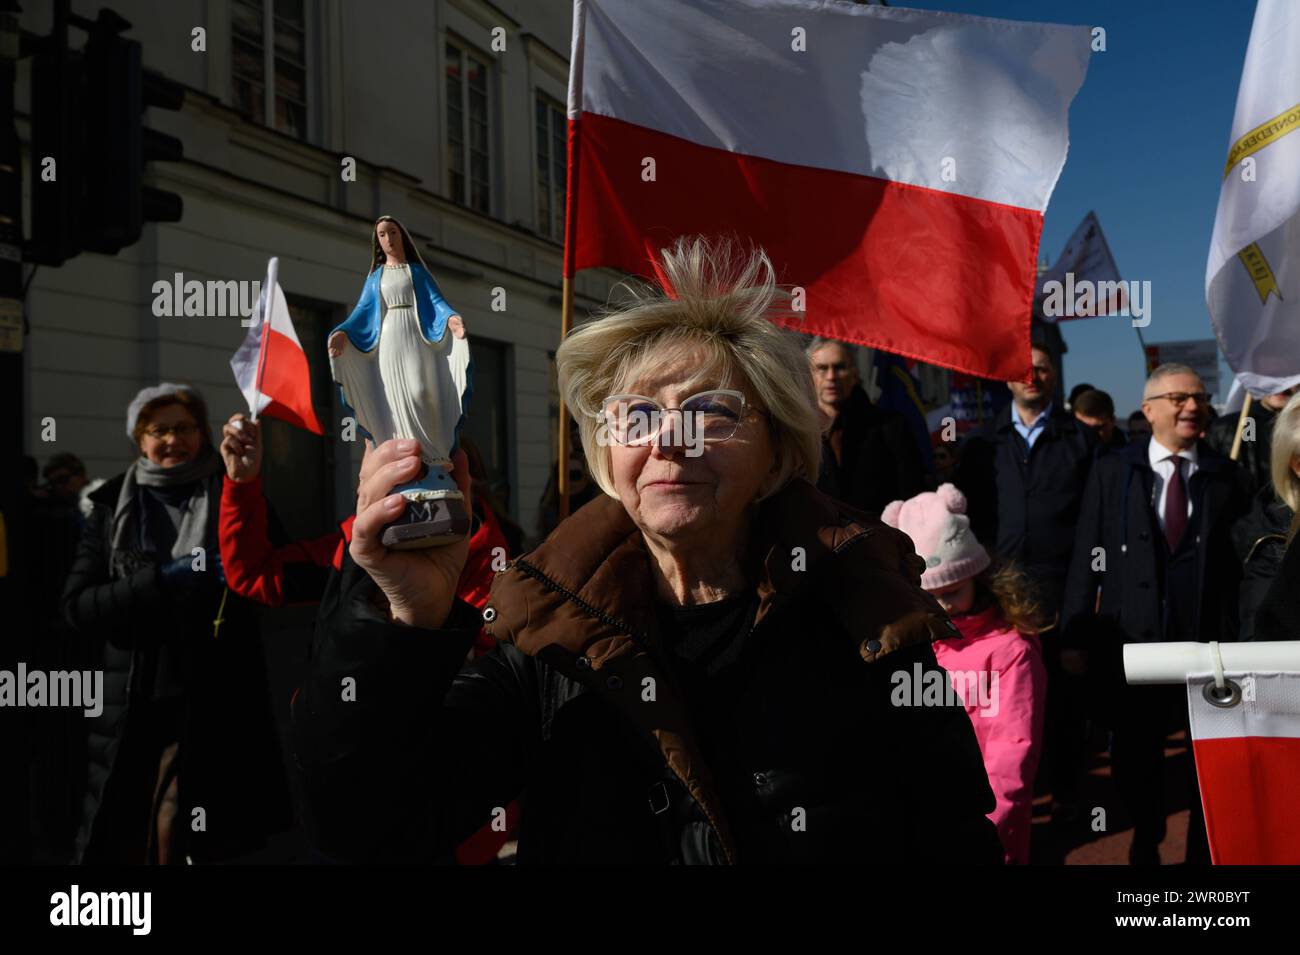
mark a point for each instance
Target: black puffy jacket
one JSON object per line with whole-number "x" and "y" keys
{"x": 1278, "y": 614}
{"x": 575, "y": 713}
{"x": 1260, "y": 539}
{"x": 231, "y": 765}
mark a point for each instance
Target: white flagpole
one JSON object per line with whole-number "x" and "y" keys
{"x": 263, "y": 304}
{"x": 1175, "y": 662}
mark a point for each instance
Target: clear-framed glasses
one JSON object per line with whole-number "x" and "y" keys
{"x": 158, "y": 432}
{"x": 711, "y": 416}
{"x": 1180, "y": 398}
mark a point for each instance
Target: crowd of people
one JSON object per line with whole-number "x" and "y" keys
{"x": 717, "y": 657}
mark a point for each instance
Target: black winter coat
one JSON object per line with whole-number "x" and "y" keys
{"x": 880, "y": 460}
{"x": 230, "y": 755}
{"x": 1260, "y": 539}
{"x": 557, "y": 713}
{"x": 1255, "y": 456}
{"x": 1278, "y": 616}
{"x": 1024, "y": 502}
{"x": 1117, "y": 516}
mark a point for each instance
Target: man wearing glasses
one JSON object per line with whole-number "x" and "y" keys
{"x": 1154, "y": 562}
{"x": 868, "y": 456}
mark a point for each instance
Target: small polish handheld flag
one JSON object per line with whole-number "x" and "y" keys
{"x": 895, "y": 164}
{"x": 1084, "y": 282}
{"x": 1252, "y": 278}
{"x": 1248, "y": 766}
{"x": 270, "y": 366}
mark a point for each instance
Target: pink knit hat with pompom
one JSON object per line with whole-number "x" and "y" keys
{"x": 940, "y": 531}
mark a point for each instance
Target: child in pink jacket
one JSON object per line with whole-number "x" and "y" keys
{"x": 996, "y": 666}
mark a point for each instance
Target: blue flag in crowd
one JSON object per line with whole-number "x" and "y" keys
{"x": 901, "y": 392}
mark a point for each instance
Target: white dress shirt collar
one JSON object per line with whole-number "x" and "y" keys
{"x": 1157, "y": 453}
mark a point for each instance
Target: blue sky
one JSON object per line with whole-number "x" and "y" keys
{"x": 1148, "y": 137}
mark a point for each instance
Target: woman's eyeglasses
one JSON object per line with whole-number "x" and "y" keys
{"x": 710, "y": 416}
{"x": 158, "y": 432}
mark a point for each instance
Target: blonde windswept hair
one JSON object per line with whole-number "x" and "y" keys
{"x": 719, "y": 312}
{"x": 1286, "y": 448}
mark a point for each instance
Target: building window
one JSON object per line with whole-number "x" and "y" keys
{"x": 552, "y": 130}
{"x": 468, "y": 154}
{"x": 269, "y": 80}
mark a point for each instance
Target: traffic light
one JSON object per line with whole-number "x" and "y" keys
{"x": 58, "y": 151}
{"x": 90, "y": 118}
{"x": 118, "y": 91}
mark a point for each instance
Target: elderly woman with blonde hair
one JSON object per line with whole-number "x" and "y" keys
{"x": 711, "y": 662}
{"x": 1270, "y": 589}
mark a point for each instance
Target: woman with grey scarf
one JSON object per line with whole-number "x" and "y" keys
{"x": 184, "y": 760}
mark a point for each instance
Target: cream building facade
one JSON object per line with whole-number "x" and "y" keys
{"x": 303, "y": 121}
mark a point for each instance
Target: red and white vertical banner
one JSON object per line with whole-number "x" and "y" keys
{"x": 895, "y": 164}
{"x": 1248, "y": 766}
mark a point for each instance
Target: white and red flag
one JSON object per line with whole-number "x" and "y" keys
{"x": 270, "y": 366}
{"x": 1084, "y": 282}
{"x": 1252, "y": 277}
{"x": 895, "y": 164}
{"x": 1244, "y": 711}
{"x": 1248, "y": 766}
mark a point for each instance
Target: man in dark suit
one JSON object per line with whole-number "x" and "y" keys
{"x": 1154, "y": 539}
{"x": 868, "y": 456}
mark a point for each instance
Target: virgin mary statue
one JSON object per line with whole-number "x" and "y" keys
{"x": 402, "y": 363}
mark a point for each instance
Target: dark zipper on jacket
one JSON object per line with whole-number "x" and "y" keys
{"x": 1255, "y": 546}
{"x": 531, "y": 571}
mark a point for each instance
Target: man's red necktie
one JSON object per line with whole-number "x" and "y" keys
{"x": 1175, "y": 505}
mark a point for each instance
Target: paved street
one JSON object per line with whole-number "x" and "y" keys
{"x": 1080, "y": 845}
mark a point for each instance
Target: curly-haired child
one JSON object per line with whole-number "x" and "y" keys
{"x": 996, "y": 665}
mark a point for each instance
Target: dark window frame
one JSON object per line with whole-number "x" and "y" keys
{"x": 263, "y": 92}
{"x": 550, "y": 152}
{"x": 471, "y": 160}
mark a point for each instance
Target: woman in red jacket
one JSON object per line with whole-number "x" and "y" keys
{"x": 268, "y": 574}
{"x": 297, "y": 572}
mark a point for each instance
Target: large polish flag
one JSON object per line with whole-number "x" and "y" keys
{"x": 895, "y": 164}
{"x": 1248, "y": 766}
{"x": 270, "y": 365}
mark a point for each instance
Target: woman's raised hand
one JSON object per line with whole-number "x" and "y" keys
{"x": 335, "y": 344}
{"x": 241, "y": 448}
{"x": 420, "y": 584}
